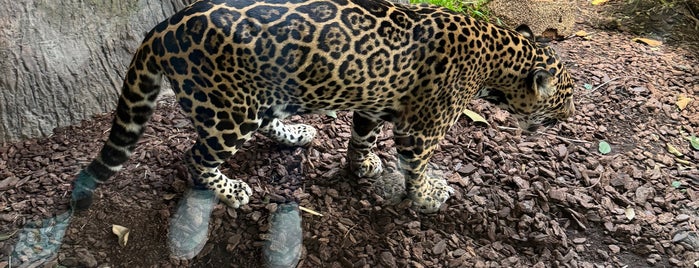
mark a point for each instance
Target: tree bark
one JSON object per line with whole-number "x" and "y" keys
{"x": 62, "y": 61}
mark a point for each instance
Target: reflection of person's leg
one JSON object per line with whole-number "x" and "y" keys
{"x": 38, "y": 242}
{"x": 189, "y": 225}
{"x": 284, "y": 241}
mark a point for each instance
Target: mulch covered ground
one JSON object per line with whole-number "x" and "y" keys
{"x": 543, "y": 200}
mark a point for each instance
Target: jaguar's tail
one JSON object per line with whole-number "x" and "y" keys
{"x": 135, "y": 106}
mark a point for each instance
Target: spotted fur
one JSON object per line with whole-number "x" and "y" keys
{"x": 241, "y": 66}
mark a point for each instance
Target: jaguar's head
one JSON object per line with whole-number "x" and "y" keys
{"x": 539, "y": 92}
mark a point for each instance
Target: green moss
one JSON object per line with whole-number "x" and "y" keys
{"x": 476, "y": 8}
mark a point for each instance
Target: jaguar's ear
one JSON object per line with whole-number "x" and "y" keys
{"x": 541, "y": 83}
{"x": 526, "y": 31}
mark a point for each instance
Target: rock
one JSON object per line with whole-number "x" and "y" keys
{"x": 467, "y": 169}
{"x": 689, "y": 240}
{"x": 674, "y": 261}
{"x": 614, "y": 248}
{"x": 679, "y": 236}
{"x": 651, "y": 261}
{"x": 681, "y": 217}
{"x": 665, "y": 218}
{"x": 438, "y": 249}
{"x": 387, "y": 259}
{"x": 8, "y": 217}
{"x": 558, "y": 195}
{"x": 458, "y": 253}
{"x": 233, "y": 242}
{"x": 8, "y": 183}
{"x": 521, "y": 183}
{"x": 85, "y": 258}
{"x": 579, "y": 240}
{"x": 70, "y": 262}
{"x": 633, "y": 229}
{"x": 539, "y": 15}
{"x": 617, "y": 181}
{"x": 642, "y": 194}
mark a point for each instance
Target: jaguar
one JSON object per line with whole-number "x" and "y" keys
{"x": 238, "y": 67}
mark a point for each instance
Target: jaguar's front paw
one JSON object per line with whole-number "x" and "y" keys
{"x": 366, "y": 166}
{"x": 234, "y": 193}
{"x": 430, "y": 194}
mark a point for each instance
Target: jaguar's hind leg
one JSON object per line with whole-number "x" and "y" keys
{"x": 416, "y": 145}
{"x": 363, "y": 162}
{"x": 290, "y": 135}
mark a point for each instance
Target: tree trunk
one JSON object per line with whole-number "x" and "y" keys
{"x": 62, "y": 61}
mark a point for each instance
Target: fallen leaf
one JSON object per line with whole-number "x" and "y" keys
{"x": 676, "y": 184}
{"x": 581, "y": 33}
{"x": 630, "y": 213}
{"x": 598, "y": 2}
{"x": 695, "y": 142}
{"x": 604, "y": 147}
{"x": 649, "y": 42}
{"x": 310, "y": 211}
{"x": 122, "y": 233}
{"x": 332, "y": 114}
{"x": 4, "y": 237}
{"x": 475, "y": 117}
{"x": 682, "y": 102}
{"x": 671, "y": 149}
{"x": 684, "y": 162}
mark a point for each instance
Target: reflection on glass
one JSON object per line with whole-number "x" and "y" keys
{"x": 284, "y": 240}
{"x": 39, "y": 241}
{"x": 189, "y": 225}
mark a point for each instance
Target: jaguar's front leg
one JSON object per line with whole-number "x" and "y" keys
{"x": 415, "y": 151}
{"x": 362, "y": 161}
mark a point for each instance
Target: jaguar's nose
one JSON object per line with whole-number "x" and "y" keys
{"x": 528, "y": 126}
{"x": 550, "y": 122}
{"x": 532, "y": 128}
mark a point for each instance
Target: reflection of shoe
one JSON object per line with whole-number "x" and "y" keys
{"x": 284, "y": 241}
{"x": 83, "y": 188}
{"x": 189, "y": 227}
{"x": 39, "y": 241}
